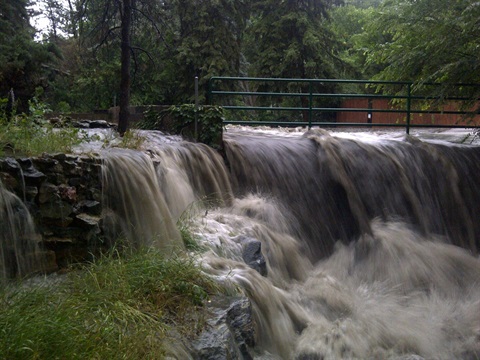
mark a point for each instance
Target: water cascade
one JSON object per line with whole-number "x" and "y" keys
{"x": 19, "y": 253}
{"x": 370, "y": 246}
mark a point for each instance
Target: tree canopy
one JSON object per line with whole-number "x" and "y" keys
{"x": 78, "y": 62}
{"x": 23, "y": 62}
{"x": 291, "y": 40}
{"x": 414, "y": 40}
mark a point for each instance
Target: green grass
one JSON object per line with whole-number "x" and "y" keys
{"x": 131, "y": 140}
{"x": 119, "y": 307}
{"x": 24, "y": 136}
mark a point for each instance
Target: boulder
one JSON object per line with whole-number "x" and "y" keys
{"x": 252, "y": 254}
{"x": 229, "y": 333}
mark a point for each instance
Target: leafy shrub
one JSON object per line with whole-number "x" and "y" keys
{"x": 32, "y": 134}
{"x": 180, "y": 119}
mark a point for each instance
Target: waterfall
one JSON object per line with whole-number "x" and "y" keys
{"x": 19, "y": 253}
{"x": 334, "y": 187}
{"x": 370, "y": 246}
{"x": 148, "y": 193}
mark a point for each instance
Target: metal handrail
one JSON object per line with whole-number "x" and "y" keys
{"x": 311, "y": 95}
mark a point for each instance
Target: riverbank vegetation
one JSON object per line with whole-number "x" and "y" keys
{"x": 120, "y": 306}
{"x": 30, "y": 134}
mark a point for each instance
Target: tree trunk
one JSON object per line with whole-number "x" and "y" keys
{"x": 124, "y": 114}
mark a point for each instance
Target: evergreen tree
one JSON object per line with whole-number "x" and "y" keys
{"x": 209, "y": 40}
{"x": 21, "y": 59}
{"x": 290, "y": 39}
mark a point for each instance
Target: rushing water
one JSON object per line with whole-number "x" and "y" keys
{"x": 19, "y": 253}
{"x": 371, "y": 245}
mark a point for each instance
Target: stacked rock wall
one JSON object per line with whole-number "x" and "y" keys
{"x": 64, "y": 196}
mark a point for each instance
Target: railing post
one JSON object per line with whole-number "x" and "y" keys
{"x": 196, "y": 107}
{"x": 209, "y": 92}
{"x": 310, "y": 104}
{"x": 409, "y": 104}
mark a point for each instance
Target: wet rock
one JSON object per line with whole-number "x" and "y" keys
{"x": 310, "y": 356}
{"x": 68, "y": 193}
{"x": 58, "y": 240}
{"x": 92, "y": 124}
{"x": 229, "y": 333}
{"x": 71, "y": 168}
{"x": 47, "y": 164}
{"x": 63, "y": 194}
{"x": 10, "y": 165}
{"x": 9, "y": 181}
{"x": 252, "y": 254}
{"x": 60, "y": 157}
{"x": 32, "y": 176}
{"x": 239, "y": 319}
{"x": 30, "y": 193}
{"x": 95, "y": 194}
{"x": 81, "y": 124}
{"x": 89, "y": 206}
{"x": 76, "y": 181}
{"x": 56, "y": 210}
{"x": 47, "y": 193}
{"x": 100, "y": 124}
{"x": 88, "y": 220}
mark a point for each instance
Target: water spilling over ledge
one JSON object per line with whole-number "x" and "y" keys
{"x": 370, "y": 248}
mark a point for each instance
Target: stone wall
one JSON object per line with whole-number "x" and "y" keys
{"x": 64, "y": 196}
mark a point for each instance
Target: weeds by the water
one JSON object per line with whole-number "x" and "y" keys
{"x": 131, "y": 140}
{"x": 32, "y": 134}
{"x": 185, "y": 225}
{"x": 23, "y": 136}
{"x": 187, "y": 221}
{"x": 119, "y": 307}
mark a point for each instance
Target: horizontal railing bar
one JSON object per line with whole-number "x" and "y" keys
{"x": 340, "y": 81}
{"x": 293, "y": 80}
{"x": 365, "y": 110}
{"x": 313, "y": 123}
{"x": 279, "y": 94}
{"x": 341, "y": 96}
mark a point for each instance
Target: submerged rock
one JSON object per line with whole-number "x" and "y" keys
{"x": 252, "y": 254}
{"x": 229, "y": 333}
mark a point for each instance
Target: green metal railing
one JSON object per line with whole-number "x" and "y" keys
{"x": 234, "y": 100}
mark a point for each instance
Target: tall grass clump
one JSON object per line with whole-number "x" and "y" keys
{"x": 31, "y": 134}
{"x": 187, "y": 222}
{"x": 185, "y": 225}
{"x": 119, "y": 307}
{"x": 22, "y": 136}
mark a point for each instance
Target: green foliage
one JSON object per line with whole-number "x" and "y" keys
{"x": 131, "y": 140}
{"x": 63, "y": 107}
{"x": 208, "y": 41}
{"x": 119, "y": 307}
{"x": 24, "y": 64}
{"x": 420, "y": 40}
{"x": 181, "y": 120}
{"x": 349, "y": 24}
{"x": 187, "y": 224}
{"x": 427, "y": 41}
{"x": 292, "y": 41}
{"x": 30, "y": 135}
{"x": 3, "y": 108}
